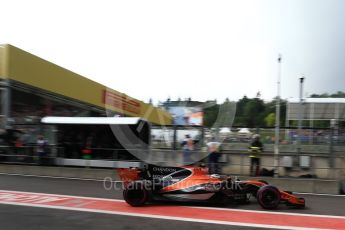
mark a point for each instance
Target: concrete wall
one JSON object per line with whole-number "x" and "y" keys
{"x": 84, "y": 173}
{"x": 305, "y": 185}
{"x": 287, "y": 184}
{"x": 288, "y": 148}
{"x": 238, "y": 164}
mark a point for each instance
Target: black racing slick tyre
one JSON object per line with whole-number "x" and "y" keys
{"x": 137, "y": 193}
{"x": 268, "y": 197}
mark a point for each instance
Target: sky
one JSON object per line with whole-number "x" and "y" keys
{"x": 187, "y": 48}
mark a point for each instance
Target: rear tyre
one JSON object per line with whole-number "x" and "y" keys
{"x": 137, "y": 193}
{"x": 268, "y": 197}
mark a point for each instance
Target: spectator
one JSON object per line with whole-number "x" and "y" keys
{"x": 41, "y": 149}
{"x": 187, "y": 146}
{"x": 213, "y": 157}
{"x": 255, "y": 149}
{"x": 87, "y": 151}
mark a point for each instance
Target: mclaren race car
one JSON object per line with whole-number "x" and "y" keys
{"x": 194, "y": 183}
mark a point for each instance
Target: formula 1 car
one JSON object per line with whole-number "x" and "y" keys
{"x": 194, "y": 183}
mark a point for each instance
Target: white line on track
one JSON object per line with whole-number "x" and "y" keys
{"x": 270, "y": 212}
{"x": 60, "y": 195}
{"x": 161, "y": 217}
{"x": 209, "y": 208}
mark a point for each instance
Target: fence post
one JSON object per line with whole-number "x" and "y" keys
{"x": 331, "y": 151}
{"x": 175, "y": 138}
{"x": 242, "y": 162}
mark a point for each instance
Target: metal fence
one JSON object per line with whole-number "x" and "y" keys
{"x": 235, "y": 162}
{"x": 164, "y": 138}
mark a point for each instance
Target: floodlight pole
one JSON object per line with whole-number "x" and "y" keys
{"x": 276, "y": 142}
{"x": 299, "y": 132}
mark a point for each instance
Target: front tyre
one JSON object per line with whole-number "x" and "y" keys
{"x": 137, "y": 193}
{"x": 268, "y": 197}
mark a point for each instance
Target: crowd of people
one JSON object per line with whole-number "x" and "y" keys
{"x": 214, "y": 150}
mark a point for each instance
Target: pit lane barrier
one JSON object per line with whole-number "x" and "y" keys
{"x": 235, "y": 164}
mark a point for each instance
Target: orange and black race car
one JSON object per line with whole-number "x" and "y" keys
{"x": 191, "y": 183}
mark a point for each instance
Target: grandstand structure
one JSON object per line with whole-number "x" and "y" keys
{"x": 31, "y": 88}
{"x": 332, "y": 109}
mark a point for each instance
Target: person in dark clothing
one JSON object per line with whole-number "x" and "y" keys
{"x": 255, "y": 149}
{"x": 41, "y": 149}
{"x": 213, "y": 157}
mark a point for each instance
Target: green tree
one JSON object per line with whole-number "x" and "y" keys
{"x": 210, "y": 113}
{"x": 239, "y": 118}
{"x": 339, "y": 94}
{"x": 270, "y": 120}
{"x": 252, "y": 113}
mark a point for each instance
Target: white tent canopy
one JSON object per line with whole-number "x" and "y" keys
{"x": 92, "y": 120}
{"x": 225, "y": 130}
{"x": 244, "y": 131}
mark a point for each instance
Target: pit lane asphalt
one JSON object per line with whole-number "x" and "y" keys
{"x": 39, "y": 218}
